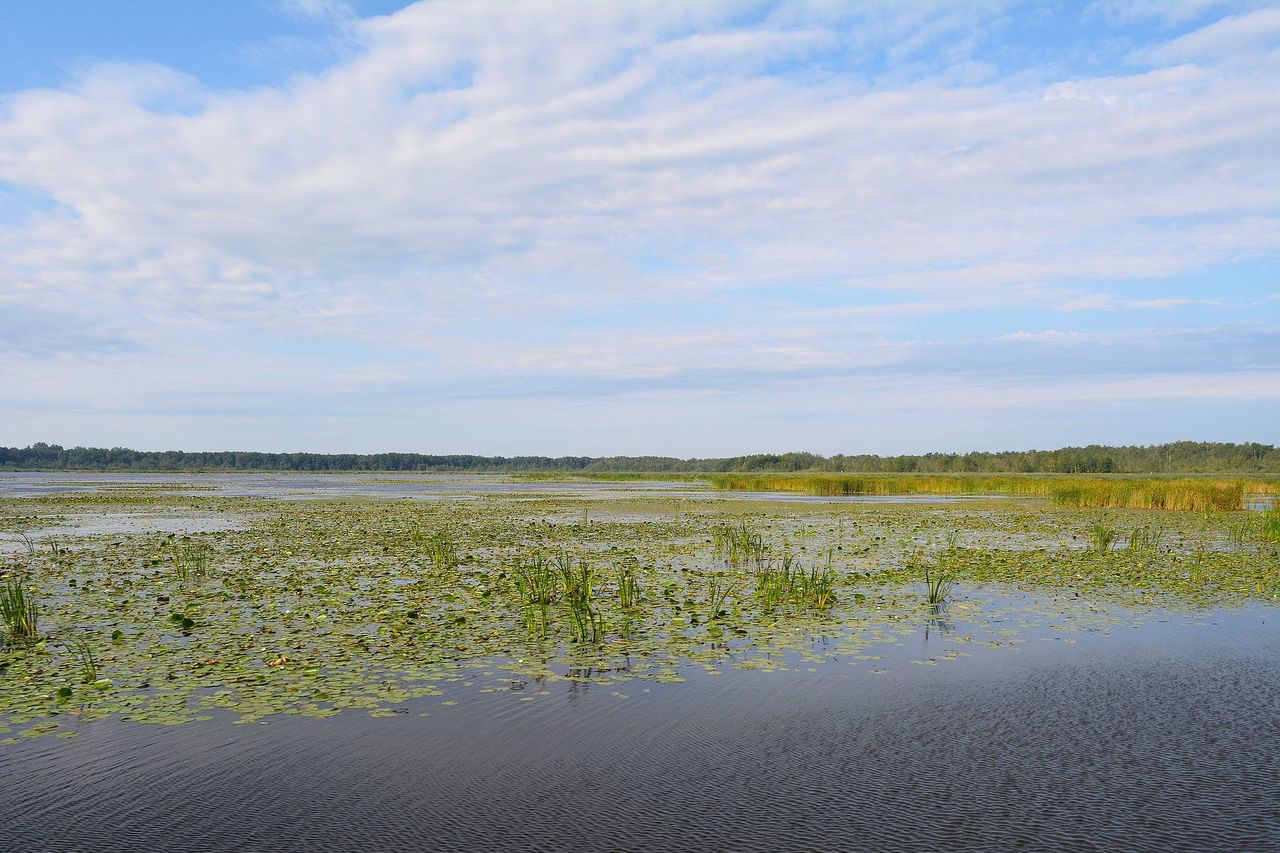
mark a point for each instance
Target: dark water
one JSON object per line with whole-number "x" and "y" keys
{"x": 1164, "y": 736}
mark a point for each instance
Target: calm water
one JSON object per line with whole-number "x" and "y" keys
{"x": 393, "y": 486}
{"x": 1156, "y": 735}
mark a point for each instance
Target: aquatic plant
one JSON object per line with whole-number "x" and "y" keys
{"x": 586, "y": 622}
{"x": 441, "y": 550}
{"x": 629, "y": 583}
{"x": 83, "y": 653}
{"x": 19, "y": 612}
{"x": 1270, "y": 527}
{"x": 1145, "y": 539}
{"x": 739, "y": 544}
{"x": 952, "y": 540}
{"x": 785, "y": 582}
{"x": 190, "y": 560}
{"x": 536, "y": 580}
{"x": 1120, "y": 492}
{"x": 1102, "y": 537}
{"x": 718, "y": 591}
{"x": 937, "y": 585}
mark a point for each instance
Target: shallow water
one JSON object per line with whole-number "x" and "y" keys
{"x": 1020, "y": 716}
{"x": 14, "y": 484}
{"x": 1159, "y": 736}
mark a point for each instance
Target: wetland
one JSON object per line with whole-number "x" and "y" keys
{"x": 498, "y": 662}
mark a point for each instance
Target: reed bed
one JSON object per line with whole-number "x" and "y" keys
{"x": 1183, "y": 494}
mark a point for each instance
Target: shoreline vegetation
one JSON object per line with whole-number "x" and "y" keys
{"x": 1182, "y": 457}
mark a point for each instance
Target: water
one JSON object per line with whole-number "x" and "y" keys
{"x": 1161, "y": 735}
{"x": 14, "y": 484}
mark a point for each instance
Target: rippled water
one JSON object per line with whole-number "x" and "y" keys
{"x": 1160, "y": 735}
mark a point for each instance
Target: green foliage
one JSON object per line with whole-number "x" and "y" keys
{"x": 629, "y": 583}
{"x": 19, "y": 612}
{"x": 786, "y": 582}
{"x": 1145, "y": 539}
{"x": 739, "y": 544}
{"x": 189, "y": 559}
{"x": 1102, "y": 536}
{"x": 1177, "y": 457}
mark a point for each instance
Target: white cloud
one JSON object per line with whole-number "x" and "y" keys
{"x": 486, "y": 187}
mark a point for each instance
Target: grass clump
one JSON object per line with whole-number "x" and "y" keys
{"x": 739, "y": 544}
{"x": 586, "y": 623}
{"x": 190, "y": 560}
{"x": 19, "y": 611}
{"x": 786, "y": 582}
{"x": 937, "y": 585}
{"x": 629, "y": 584}
{"x": 1102, "y": 537}
{"x": 441, "y": 550}
{"x": 1145, "y": 539}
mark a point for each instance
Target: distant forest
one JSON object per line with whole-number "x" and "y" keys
{"x": 1177, "y": 457}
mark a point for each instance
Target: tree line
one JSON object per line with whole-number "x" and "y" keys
{"x": 1175, "y": 457}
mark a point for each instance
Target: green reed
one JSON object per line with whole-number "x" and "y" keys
{"x": 190, "y": 560}
{"x": 1102, "y": 537}
{"x": 629, "y": 583}
{"x": 19, "y": 612}
{"x": 1145, "y": 539}
{"x": 739, "y": 544}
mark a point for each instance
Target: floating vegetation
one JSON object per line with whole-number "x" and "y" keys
{"x": 325, "y": 606}
{"x": 19, "y": 612}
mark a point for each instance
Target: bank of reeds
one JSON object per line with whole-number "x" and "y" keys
{"x": 1192, "y": 494}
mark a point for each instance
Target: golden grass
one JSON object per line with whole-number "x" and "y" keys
{"x": 1194, "y": 494}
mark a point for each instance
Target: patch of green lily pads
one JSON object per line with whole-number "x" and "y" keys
{"x": 319, "y": 607}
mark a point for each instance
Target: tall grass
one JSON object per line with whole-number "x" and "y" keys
{"x": 785, "y": 582}
{"x": 739, "y": 544}
{"x": 19, "y": 612}
{"x": 586, "y": 623}
{"x": 190, "y": 560}
{"x": 1102, "y": 537}
{"x": 1145, "y": 539}
{"x": 937, "y": 584}
{"x": 1119, "y": 492}
{"x": 629, "y": 584}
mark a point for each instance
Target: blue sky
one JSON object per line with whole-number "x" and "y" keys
{"x": 597, "y": 228}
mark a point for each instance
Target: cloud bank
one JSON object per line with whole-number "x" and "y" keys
{"x": 548, "y": 226}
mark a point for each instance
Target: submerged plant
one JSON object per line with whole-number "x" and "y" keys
{"x": 19, "y": 611}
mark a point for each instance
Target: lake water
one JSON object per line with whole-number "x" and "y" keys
{"x": 1160, "y": 736}
{"x": 1018, "y": 719}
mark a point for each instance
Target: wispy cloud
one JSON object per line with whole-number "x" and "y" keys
{"x": 629, "y": 197}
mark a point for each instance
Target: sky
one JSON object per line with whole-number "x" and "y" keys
{"x": 598, "y": 228}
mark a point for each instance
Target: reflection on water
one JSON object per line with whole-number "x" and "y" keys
{"x": 418, "y": 486}
{"x": 1160, "y": 735}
